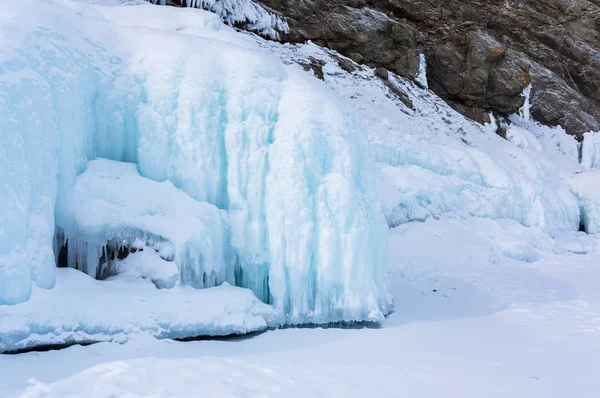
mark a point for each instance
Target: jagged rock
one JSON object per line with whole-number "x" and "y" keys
{"x": 481, "y": 55}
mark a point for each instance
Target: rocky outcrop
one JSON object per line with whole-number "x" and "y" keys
{"x": 481, "y": 54}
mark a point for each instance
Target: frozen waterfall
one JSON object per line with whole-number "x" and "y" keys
{"x": 201, "y": 106}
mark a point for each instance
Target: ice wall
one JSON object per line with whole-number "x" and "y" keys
{"x": 590, "y": 150}
{"x": 587, "y": 188}
{"x": 113, "y": 209}
{"x": 193, "y": 102}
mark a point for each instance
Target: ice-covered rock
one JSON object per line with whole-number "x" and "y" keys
{"x": 432, "y": 161}
{"x": 143, "y": 262}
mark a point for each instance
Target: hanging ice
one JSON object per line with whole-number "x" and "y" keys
{"x": 590, "y": 150}
{"x": 525, "y": 111}
{"x": 114, "y": 214}
{"x": 247, "y": 13}
{"x": 211, "y": 112}
{"x": 421, "y": 78}
{"x": 586, "y": 186}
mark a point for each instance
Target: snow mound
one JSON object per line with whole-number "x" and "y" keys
{"x": 82, "y": 310}
{"x": 586, "y": 186}
{"x": 143, "y": 262}
{"x": 115, "y": 211}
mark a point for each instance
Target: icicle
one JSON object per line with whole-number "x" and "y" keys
{"x": 421, "y": 78}
{"x": 524, "y": 112}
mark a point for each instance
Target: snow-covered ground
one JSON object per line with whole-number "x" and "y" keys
{"x": 470, "y": 322}
{"x": 81, "y": 310}
{"x": 494, "y": 286}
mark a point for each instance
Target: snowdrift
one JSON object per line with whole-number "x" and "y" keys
{"x": 81, "y": 310}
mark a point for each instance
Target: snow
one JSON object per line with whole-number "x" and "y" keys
{"x": 493, "y": 327}
{"x": 147, "y": 264}
{"x": 113, "y": 207}
{"x": 432, "y": 161}
{"x": 82, "y": 310}
{"x": 590, "y": 150}
{"x": 523, "y": 138}
{"x": 163, "y": 128}
{"x": 188, "y": 100}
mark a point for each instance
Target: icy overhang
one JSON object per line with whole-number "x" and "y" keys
{"x": 115, "y": 213}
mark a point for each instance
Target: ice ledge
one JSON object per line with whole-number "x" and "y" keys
{"x": 82, "y": 310}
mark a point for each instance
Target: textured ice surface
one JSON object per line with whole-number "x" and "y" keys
{"x": 586, "y": 186}
{"x": 191, "y": 101}
{"x": 433, "y": 161}
{"x": 590, "y": 150}
{"x": 113, "y": 207}
{"x": 80, "y": 309}
{"x": 247, "y": 13}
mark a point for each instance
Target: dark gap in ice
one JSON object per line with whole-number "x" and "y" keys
{"x": 48, "y": 347}
{"x": 62, "y": 259}
{"x": 227, "y": 337}
{"x": 582, "y": 223}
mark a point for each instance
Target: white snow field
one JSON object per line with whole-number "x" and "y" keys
{"x": 469, "y": 322}
{"x": 174, "y": 152}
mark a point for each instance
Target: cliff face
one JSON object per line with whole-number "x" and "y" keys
{"x": 481, "y": 54}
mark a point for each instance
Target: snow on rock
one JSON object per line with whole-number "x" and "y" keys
{"x": 81, "y": 310}
{"x": 192, "y": 101}
{"x": 433, "y": 161}
{"x": 523, "y": 138}
{"x": 586, "y": 186}
{"x": 114, "y": 209}
{"x": 590, "y": 150}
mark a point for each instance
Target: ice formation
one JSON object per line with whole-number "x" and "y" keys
{"x": 586, "y": 186}
{"x": 114, "y": 213}
{"x": 197, "y": 104}
{"x": 433, "y": 162}
{"x": 250, "y": 15}
{"x": 421, "y": 78}
{"x": 590, "y": 150}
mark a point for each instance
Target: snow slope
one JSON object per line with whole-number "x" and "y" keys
{"x": 192, "y": 101}
{"x": 432, "y": 161}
